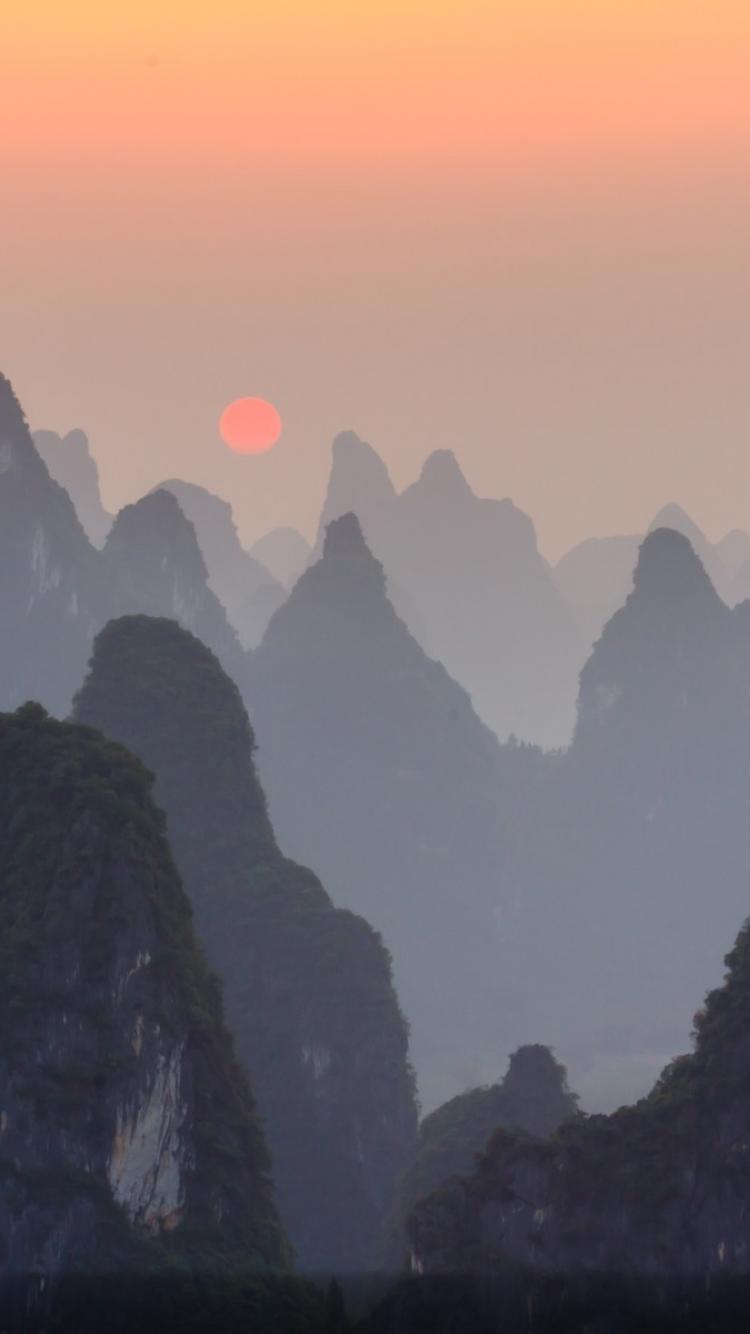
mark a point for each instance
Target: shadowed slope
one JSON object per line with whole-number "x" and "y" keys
{"x": 308, "y": 988}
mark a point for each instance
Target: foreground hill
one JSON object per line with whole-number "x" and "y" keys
{"x": 632, "y": 1221}
{"x": 129, "y": 1142}
{"x": 308, "y": 987}
{"x": 533, "y": 1097}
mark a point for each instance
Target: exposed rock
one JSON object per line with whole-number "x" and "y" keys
{"x": 656, "y": 1192}
{"x": 308, "y": 987}
{"x": 128, "y": 1139}
{"x": 533, "y": 1097}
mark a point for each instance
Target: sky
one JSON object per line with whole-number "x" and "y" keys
{"x": 513, "y": 228}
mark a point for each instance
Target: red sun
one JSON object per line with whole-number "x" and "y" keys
{"x": 250, "y": 426}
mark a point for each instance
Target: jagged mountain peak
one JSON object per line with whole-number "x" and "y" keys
{"x": 308, "y": 988}
{"x": 344, "y": 537}
{"x": 669, "y": 567}
{"x": 11, "y": 412}
{"x": 158, "y": 519}
{"x": 347, "y": 555}
{"x": 155, "y": 561}
{"x": 441, "y": 472}
{"x": 17, "y": 451}
{"x": 72, "y": 464}
{"x": 359, "y": 481}
{"x": 192, "y": 490}
{"x": 674, "y": 516}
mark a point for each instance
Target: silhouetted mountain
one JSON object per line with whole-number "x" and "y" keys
{"x": 636, "y": 848}
{"x": 72, "y": 464}
{"x": 308, "y": 987}
{"x": 284, "y": 552}
{"x": 155, "y": 566}
{"x": 359, "y": 484}
{"x": 129, "y": 1143}
{"x": 52, "y": 593}
{"x": 533, "y": 1097}
{"x": 596, "y": 576}
{"x": 380, "y": 775}
{"x": 248, "y": 591}
{"x": 468, "y": 579}
{"x": 649, "y": 1203}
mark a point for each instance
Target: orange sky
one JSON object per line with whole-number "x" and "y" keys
{"x": 516, "y": 227}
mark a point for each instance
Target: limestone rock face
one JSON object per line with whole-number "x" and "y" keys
{"x": 307, "y": 986}
{"x": 127, "y": 1132}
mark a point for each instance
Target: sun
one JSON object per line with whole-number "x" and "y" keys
{"x": 250, "y": 426}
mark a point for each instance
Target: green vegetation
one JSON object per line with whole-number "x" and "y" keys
{"x": 88, "y": 889}
{"x": 308, "y": 987}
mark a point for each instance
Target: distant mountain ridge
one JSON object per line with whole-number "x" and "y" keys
{"x": 72, "y": 464}
{"x": 466, "y": 576}
{"x": 633, "y": 850}
{"x": 380, "y": 775}
{"x": 596, "y": 575}
{"x": 57, "y": 590}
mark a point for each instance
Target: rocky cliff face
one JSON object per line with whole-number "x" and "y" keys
{"x": 380, "y": 775}
{"x": 533, "y": 1097}
{"x": 128, "y": 1135}
{"x": 655, "y": 1191}
{"x": 51, "y": 591}
{"x": 308, "y": 987}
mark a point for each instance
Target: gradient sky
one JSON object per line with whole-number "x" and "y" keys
{"x": 515, "y": 228}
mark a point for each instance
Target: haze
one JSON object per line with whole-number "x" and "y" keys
{"x": 515, "y": 230}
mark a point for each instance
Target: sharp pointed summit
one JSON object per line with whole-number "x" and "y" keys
{"x": 668, "y": 567}
{"x": 52, "y": 592}
{"x": 156, "y": 566}
{"x": 441, "y": 473}
{"x": 466, "y": 575}
{"x": 381, "y": 776}
{"x": 72, "y": 464}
